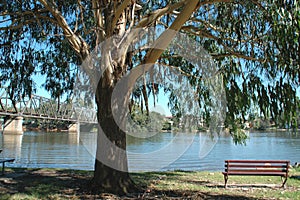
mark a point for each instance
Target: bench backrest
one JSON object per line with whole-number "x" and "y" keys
{"x": 261, "y": 166}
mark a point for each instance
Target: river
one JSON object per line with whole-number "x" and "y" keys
{"x": 163, "y": 151}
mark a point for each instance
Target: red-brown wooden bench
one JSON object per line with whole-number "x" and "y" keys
{"x": 257, "y": 168}
{"x": 4, "y": 160}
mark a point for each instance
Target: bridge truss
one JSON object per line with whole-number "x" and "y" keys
{"x": 44, "y": 108}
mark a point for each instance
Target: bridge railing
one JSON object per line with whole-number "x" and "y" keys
{"x": 41, "y": 107}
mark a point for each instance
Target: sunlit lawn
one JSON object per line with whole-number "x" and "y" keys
{"x": 213, "y": 183}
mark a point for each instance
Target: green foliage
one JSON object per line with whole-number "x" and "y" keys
{"x": 141, "y": 122}
{"x": 31, "y": 46}
{"x": 257, "y": 51}
{"x": 255, "y": 44}
{"x": 239, "y": 135}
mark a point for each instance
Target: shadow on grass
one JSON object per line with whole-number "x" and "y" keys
{"x": 43, "y": 184}
{"x": 223, "y": 197}
{"x": 295, "y": 177}
{"x": 73, "y": 184}
{"x": 174, "y": 194}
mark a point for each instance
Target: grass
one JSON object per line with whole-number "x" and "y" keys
{"x": 73, "y": 184}
{"x": 212, "y": 184}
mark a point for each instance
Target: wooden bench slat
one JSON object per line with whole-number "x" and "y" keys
{"x": 257, "y": 161}
{"x": 283, "y": 174}
{"x": 255, "y": 166}
{"x": 256, "y": 172}
{"x": 7, "y": 160}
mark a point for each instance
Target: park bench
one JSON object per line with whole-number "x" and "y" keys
{"x": 257, "y": 168}
{"x": 4, "y": 160}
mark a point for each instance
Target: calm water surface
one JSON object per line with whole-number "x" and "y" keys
{"x": 164, "y": 151}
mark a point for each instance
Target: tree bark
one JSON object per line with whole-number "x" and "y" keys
{"x": 111, "y": 167}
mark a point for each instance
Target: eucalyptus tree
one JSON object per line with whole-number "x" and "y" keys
{"x": 255, "y": 44}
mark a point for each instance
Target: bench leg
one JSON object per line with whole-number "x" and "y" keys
{"x": 226, "y": 179}
{"x": 284, "y": 181}
{"x": 3, "y": 168}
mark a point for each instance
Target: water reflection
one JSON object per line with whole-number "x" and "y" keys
{"x": 63, "y": 150}
{"x": 12, "y": 143}
{"x": 37, "y": 149}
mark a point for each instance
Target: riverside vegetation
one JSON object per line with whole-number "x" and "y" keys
{"x": 74, "y": 184}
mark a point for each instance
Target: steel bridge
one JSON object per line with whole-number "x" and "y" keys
{"x": 44, "y": 108}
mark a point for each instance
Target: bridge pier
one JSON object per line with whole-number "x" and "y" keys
{"x": 74, "y": 127}
{"x": 13, "y": 126}
{"x": 86, "y": 128}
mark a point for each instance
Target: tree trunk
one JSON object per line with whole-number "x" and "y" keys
{"x": 111, "y": 167}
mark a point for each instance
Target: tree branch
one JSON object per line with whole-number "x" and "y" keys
{"x": 18, "y": 26}
{"x": 119, "y": 11}
{"x": 34, "y": 15}
{"x": 164, "y": 39}
{"x": 77, "y": 43}
{"x": 100, "y": 34}
{"x": 25, "y": 12}
{"x": 149, "y": 19}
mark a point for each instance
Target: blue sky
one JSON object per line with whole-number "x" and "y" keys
{"x": 161, "y": 105}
